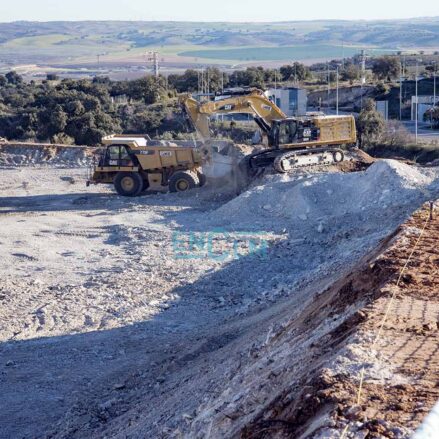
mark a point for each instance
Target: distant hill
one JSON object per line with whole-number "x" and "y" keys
{"x": 184, "y": 43}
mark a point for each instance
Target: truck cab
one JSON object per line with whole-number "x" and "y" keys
{"x": 116, "y": 155}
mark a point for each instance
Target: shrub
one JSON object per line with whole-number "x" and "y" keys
{"x": 370, "y": 125}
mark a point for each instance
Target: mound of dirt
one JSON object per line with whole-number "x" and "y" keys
{"x": 385, "y": 185}
{"x": 43, "y": 155}
{"x": 358, "y": 160}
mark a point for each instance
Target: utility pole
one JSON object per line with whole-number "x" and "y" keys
{"x": 329, "y": 82}
{"x": 434, "y": 92}
{"x": 400, "y": 89}
{"x": 201, "y": 82}
{"x": 154, "y": 57}
{"x": 363, "y": 75}
{"x": 400, "y": 97}
{"x": 342, "y": 45}
{"x": 98, "y": 56}
{"x": 337, "y": 92}
{"x": 363, "y": 67}
{"x": 434, "y": 85}
{"x": 208, "y": 81}
{"x": 416, "y": 104}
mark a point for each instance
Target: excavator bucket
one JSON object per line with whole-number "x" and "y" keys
{"x": 226, "y": 165}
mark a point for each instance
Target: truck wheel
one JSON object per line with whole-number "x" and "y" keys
{"x": 201, "y": 178}
{"x": 128, "y": 184}
{"x": 145, "y": 185}
{"x": 183, "y": 181}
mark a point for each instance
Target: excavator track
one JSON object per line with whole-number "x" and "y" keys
{"x": 286, "y": 161}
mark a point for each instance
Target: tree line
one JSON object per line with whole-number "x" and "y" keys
{"x": 82, "y": 111}
{"x": 79, "y": 111}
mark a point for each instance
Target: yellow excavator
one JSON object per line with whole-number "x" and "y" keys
{"x": 292, "y": 141}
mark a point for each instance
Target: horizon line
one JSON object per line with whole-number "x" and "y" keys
{"x": 221, "y": 21}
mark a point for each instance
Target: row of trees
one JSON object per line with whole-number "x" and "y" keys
{"x": 81, "y": 112}
{"x": 384, "y": 68}
{"x": 250, "y": 77}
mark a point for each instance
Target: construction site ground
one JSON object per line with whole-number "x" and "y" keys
{"x": 212, "y": 314}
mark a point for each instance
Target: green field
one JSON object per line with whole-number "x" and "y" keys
{"x": 40, "y": 41}
{"x": 183, "y": 44}
{"x": 274, "y": 53}
{"x": 58, "y": 47}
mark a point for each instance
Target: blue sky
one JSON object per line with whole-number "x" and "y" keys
{"x": 216, "y": 10}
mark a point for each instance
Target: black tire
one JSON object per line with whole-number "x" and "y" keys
{"x": 128, "y": 184}
{"x": 183, "y": 181}
{"x": 202, "y": 179}
{"x": 338, "y": 156}
{"x": 145, "y": 185}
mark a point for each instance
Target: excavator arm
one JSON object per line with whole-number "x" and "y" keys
{"x": 256, "y": 104}
{"x": 293, "y": 142}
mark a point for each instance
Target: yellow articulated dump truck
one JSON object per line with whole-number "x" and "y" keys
{"x": 132, "y": 165}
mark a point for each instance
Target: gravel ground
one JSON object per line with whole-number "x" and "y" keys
{"x": 133, "y": 316}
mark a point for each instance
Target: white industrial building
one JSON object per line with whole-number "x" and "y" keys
{"x": 424, "y": 104}
{"x": 291, "y": 100}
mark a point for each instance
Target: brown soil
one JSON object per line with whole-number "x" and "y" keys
{"x": 408, "y": 343}
{"x": 360, "y": 161}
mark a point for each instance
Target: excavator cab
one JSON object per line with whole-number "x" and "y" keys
{"x": 287, "y": 132}
{"x": 292, "y": 131}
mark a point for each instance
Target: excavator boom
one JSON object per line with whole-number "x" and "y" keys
{"x": 256, "y": 104}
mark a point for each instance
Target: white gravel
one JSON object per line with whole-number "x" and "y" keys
{"x": 105, "y": 327}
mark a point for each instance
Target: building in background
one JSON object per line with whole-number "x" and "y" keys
{"x": 424, "y": 104}
{"x": 291, "y": 100}
{"x": 383, "y": 108}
